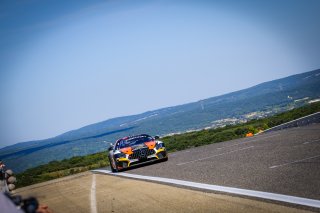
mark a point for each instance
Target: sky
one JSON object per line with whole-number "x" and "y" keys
{"x": 68, "y": 64}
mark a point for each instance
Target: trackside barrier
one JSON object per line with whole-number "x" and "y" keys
{"x": 303, "y": 121}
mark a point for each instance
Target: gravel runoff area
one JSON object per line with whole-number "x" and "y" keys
{"x": 87, "y": 192}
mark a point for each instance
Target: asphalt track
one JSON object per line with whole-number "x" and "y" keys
{"x": 283, "y": 162}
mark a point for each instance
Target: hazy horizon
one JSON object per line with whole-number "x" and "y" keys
{"x": 142, "y": 112}
{"x": 73, "y": 64}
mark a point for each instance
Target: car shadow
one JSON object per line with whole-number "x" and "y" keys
{"x": 148, "y": 163}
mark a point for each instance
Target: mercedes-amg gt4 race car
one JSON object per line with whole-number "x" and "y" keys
{"x": 136, "y": 150}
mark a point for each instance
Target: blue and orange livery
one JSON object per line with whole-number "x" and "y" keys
{"x": 134, "y": 150}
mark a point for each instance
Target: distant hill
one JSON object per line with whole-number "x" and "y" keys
{"x": 261, "y": 100}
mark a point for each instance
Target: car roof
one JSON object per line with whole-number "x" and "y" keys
{"x": 132, "y": 137}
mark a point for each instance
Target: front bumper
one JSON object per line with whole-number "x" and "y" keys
{"x": 130, "y": 160}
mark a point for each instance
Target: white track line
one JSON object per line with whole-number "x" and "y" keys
{"x": 254, "y": 139}
{"x": 296, "y": 161}
{"x": 93, "y": 202}
{"x": 179, "y": 164}
{"x": 311, "y": 141}
{"x": 245, "y": 192}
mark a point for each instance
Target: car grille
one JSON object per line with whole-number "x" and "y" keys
{"x": 141, "y": 153}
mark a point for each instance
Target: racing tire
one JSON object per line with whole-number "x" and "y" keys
{"x": 111, "y": 166}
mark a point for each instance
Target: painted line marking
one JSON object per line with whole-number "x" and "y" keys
{"x": 179, "y": 164}
{"x": 311, "y": 141}
{"x": 296, "y": 161}
{"x": 238, "y": 144}
{"x": 232, "y": 190}
{"x": 255, "y": 139}
{"x": 93, "y": 202}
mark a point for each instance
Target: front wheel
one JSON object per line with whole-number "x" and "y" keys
{"x": 164, "y": 159}
{"x": 111, "y": 166}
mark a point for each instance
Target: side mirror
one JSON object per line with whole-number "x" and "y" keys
{"x": 110, "y": 147}
{"x": 156, "y": 137}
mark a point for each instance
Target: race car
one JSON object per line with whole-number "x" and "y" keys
{"x": 134, "y": 150}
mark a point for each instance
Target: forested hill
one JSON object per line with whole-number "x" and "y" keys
{"x": 259, "y": 101}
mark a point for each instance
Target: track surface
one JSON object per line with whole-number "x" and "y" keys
{"x": 285, "y": 162}
{"x": 94, "y": 193}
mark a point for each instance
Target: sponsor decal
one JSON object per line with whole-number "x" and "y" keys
{"x": 143, "y": 153}
{"x": 127, "y": 150}
{"x": 150, "y": 144}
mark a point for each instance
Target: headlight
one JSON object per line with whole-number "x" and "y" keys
{"x": 159, "y": 145}
{"x": 120, "y": 155}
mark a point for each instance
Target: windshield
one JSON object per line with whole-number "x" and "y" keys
{"x": 132, "y": 141}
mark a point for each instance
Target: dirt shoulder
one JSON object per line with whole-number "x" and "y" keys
{"x": 116, "y": 194}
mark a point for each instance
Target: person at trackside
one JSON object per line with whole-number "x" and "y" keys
{"x": 3, "y": 187}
